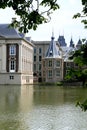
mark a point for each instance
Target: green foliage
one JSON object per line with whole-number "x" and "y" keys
{"x": 83, "y": 13}
{"x": 52, "y": 3}
{"x": 30, "y": 12}
{"x": 80, "y": 56}
{"x": 70, "y": 75}
{"x": 83, "y": 105}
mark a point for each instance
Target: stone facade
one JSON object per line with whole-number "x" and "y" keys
{"x": 16, "y": 57}
{"x": 52, "y": 69}
{"x": 42, "y": 73}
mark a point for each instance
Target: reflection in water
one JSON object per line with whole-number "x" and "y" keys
{"x": 58, "y": 95}
{"x": 41, "y": 108}
{"x": 9, "y": 98}
{"x": 26, "y": 99}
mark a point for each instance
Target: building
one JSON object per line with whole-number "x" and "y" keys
{"x": 44, "y": 61}
{"x": 79, "y": 44}
{"x": 40, "y": 49}
{"x": 52, "y": 64}
{"x": 16, "y": 57}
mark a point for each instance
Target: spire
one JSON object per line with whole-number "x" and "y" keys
{"x": 71, "y": 43}
{"x": 79, "y": 44}
{"x": 61, "y": 41}
{"x": 52, "y": 49}
{"x": 52, "y": 34}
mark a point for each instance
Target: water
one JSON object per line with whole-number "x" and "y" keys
{"x": 42, "y": 108}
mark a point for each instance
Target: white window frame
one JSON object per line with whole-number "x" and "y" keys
{"x": 12, "y": 50}
{"x": 12, "y": 66}
{"x": 57, "y": 73}
{"x": 57, "y": 63}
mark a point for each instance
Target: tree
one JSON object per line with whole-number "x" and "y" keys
{"x": 32, "y": 12}
{"x": 83, "y": 13}
{"x": 80, "y": 59}
{"x": 82, "y": 53}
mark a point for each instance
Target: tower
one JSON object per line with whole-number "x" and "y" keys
{"x": 52, "y": 63}
{"x": 71, "y": 43}
{"x": 61, "y": 41}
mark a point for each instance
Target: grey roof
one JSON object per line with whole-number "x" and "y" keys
{"x": 61, "y": 41}
{"x": 8, "y": 32}
{"x": 53, "y": 51}
{"x": 71, "y": 43}
{"x": 79, "y": 42}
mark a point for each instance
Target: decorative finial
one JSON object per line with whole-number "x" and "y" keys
{"x": 52, "y": 33}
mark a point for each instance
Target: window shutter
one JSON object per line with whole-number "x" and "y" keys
{"x": 17, "y": 57}
{"x": 7, "y": 58}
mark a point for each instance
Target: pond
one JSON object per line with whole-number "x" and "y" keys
{"x": 42, "y": 108}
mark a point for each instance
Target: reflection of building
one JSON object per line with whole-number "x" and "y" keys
{"x": 26, "y": 98}
{"x": 16, "y": 57}
{"x": 45, "y": 60}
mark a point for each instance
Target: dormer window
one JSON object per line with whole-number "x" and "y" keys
{"x": 50, "y": 52}
{"x": 12, "y": 49}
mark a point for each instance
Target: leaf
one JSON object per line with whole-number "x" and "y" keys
{"x": 77, "y": 15}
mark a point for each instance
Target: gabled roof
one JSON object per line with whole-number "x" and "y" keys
{"x": 8, "y": 32}
{"x": 53, "y": 51}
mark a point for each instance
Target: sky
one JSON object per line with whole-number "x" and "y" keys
{"x": 62, "y": 23}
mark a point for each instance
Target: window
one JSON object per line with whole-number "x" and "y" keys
{"x": 34, "y": 67}
{"x": 50, "y": 73}
{"x": 50, "y": 63}
{"x": 11, "y": 77}
{"x": 39, "y": 73}
{"x": 12, "y": 50}
{"x": 40, "y": 50}
{"x": 67, "y": 71}
{"x": 34, "y": 58}
{"x": 58, "y": 73}
{"x": 43, "y": 63}
{"x": 68, "y": 64}
{"x": 39, "y": 66}
{"x": 34, "y": 50}
{"x": 57, "y": 63}
{"x": 40, "y": 57}
{"x": 12, "y": 66}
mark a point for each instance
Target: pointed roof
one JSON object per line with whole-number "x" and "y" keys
{"x": 79, "y": 42}
{"x": 71, "y": 43}
{"x": 61, "y": 41}
{"x": 53, "y": 51}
